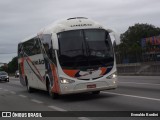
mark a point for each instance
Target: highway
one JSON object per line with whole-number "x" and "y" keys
{"x": 134, "y": 93}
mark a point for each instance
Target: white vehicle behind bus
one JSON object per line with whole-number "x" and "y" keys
{"x": 71, "y": 56}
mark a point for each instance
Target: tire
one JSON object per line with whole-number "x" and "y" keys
{"x": 96, "y": 92}
{"x": 29, "y": 89}
{"x": 51, "y": 94}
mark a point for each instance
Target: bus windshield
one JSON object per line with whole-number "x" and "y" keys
{"x": 85, "y": 49}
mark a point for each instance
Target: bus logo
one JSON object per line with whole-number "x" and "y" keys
{"x": 6, "y": 114}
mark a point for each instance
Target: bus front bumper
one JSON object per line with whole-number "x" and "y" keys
{"x": 88, "y": 86}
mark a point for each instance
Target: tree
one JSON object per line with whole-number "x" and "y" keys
{"x": 135, "y": 33}
{"x": 13, "y": 65}
{"x": 130, "y": 46}
{"x": 3, "y": 68}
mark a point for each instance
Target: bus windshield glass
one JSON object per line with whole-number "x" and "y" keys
{"x": 85, "y": 49}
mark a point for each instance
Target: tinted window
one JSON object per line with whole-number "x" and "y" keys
{"x": 99, "y": 43}
{"x": 32, "y": 47}
{"x": 47, "y": 45}
{"x": 85, "y": 49}
{"x": 95, "y": 35}
{"x": 71, "y": 43}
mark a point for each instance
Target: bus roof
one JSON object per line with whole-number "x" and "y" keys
{"x": 68, "y": 24}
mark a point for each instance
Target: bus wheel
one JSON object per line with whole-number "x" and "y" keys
{"x": 52, "y": 94}
{"x": 29, "y": 89}
{"x": 96, "y": 92}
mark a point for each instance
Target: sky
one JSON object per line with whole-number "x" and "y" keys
{"x": 22, "y": 18}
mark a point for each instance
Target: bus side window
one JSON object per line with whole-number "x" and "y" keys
{"x": 47, "y": 44}
{"x": 36, "y": 47}
{"x": 32, "y": 47}
{"x": 28, "y": 47}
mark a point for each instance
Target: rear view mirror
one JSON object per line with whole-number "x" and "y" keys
{"x": 55, "y": 41}
{"x": 113, "y": 39}
{"x": 112, "y": 36}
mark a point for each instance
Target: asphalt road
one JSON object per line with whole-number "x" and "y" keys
{"x": 134, "y": 93}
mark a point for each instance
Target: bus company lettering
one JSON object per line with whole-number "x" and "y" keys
{"x": 38, "y": 62}
{"x": 81, "y": 25}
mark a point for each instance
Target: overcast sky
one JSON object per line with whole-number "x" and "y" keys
{"x": 22, "y": 18}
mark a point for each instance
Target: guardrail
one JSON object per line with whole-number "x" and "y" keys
{"x": 146, "y": 68}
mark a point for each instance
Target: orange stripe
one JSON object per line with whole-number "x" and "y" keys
{"x": 103, "y": 69}
{"x": 22, "y": 67}
{"x": 55, "y": 85}
{"x": 39, "y": 75}
{"x": 70, "y": 73}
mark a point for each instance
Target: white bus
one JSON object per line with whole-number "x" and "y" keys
{"x": 70, "y": 56}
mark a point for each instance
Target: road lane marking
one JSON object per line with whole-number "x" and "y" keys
{"x": 83, "y": 118}
{"x": 57, "y": 108}
{"x": 12, "y": 92}
{"x": 22, "y": 96}
{"x": 14, "y": 78}
{"x": 5, "y": 90}
{"x": 126, "y": 95}
{"x": 0, "y": 88}
{"x": 36, "y": 101}
{"x": 60, "y": 109}
{"x": 140, "y": 83}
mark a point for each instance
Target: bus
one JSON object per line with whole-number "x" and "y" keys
{"x": 70, "y": 56}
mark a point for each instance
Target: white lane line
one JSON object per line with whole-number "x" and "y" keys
{"x": 140, "y": 83}
{"x": 83, "y": 118}
{"x": 60, "y": 109}
{"x": 12, "y": 92}
{"x": 22, "y": 96}
{"x": 0, "y": 88}
{"x": 147, "y": 98}
{"x": 36, "y": 101}
{"x": 57, "y": 108}
{"x": 5, "y": 90}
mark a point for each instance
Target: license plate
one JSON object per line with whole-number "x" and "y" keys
{"x": 91, "y": 86}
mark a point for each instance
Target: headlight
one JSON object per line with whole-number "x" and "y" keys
{"x": 66, "y": 81}
{"x": 112, "y": 76}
